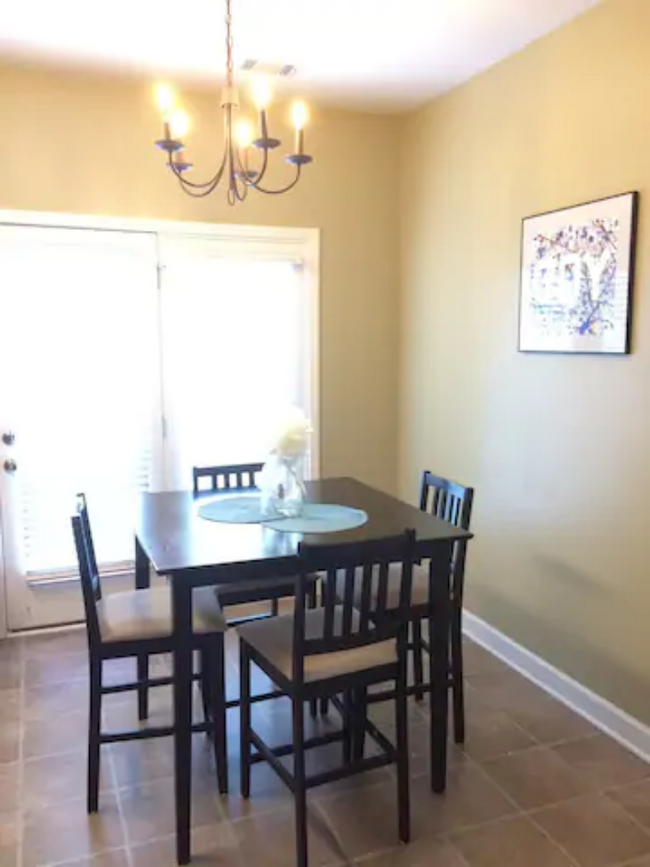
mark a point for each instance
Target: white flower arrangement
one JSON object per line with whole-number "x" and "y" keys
{"x": 292, "y": 439}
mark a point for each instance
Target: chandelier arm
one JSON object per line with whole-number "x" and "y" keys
{"x": 262, "y": 171}
{"x": 283, "y": 189}
{"x": 212, "y": 182}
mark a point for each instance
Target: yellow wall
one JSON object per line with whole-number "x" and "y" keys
{"x": 82, "y": 144}
{"x": 558, "y": 447}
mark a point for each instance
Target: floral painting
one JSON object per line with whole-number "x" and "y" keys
{"x": 577, "y": 276}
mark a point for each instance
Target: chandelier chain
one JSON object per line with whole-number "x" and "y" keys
{"x": 229, "y": 45}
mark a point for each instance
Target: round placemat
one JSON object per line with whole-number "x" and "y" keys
{"x": 234, "y": 510}
{"x": 320, "y": 518}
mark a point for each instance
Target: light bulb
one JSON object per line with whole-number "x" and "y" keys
{"x": 179, "y": 124}
{"x": 262, "y": 92}
{"x": 299, "y": 115}
{"x": 165, "y": 100}
{"x": 244, "y": 134}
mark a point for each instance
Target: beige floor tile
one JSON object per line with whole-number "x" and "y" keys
{"x": 268, "y": 793}
{"x": 116, "y": 858}
{"x": 595, "y": 831}
{"x": 68, "y": 734}
{"x": 270, "y": 839}
{"x": 59, "y": 778}
{"x": 370, "y": 824}
{"x": 536, "y": 777}
{"x": 9, "y": 839}
{"x": 63, "y": 831}
{"x": 9, "y": 787}
{"x": 635, "y": 800}
{"x": 72, "y": 640}
{"x": 10, "y": 706}
{"x": 603, "y": 761}
{"x": 214, "y": 846}
{"x": 513, "y": 842}
{"x": 543, "y": 717}
{"x": 490, "y": 732}
{"x": 477, "y": 659}
{"x": 11, "y": 672}
{"x": 50, "y": 669}
{"x": 55, "y": 700}
{"x": 149, "y": 811}
{"x": 138, "y": 762}
{"x": 418, "y": 853}
{"x": 10, "y": 739}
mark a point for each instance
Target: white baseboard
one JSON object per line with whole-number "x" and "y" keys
{"x": 627, "y": 730}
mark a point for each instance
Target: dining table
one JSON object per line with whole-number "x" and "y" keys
{"x": 173, "y": 540}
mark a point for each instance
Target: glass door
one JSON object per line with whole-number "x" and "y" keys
{"x": 79, "y": 405}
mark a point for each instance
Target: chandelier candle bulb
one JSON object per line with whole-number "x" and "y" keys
{"x": 299, "y": 116}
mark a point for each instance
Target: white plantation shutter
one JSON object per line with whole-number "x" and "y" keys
{"x": 83, "y": 390}
{"x": 237, "y": 352}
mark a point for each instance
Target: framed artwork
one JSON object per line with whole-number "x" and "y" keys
{"x": 577, "y": 276}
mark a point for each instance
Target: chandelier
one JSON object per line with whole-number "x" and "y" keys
{"x": 241, "y": 168}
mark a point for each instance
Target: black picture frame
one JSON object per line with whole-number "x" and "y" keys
{"x": 553, "y": 248}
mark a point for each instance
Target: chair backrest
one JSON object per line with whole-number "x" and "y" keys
{"x": 451, "y": 502}
{"x": 89, "y": 574}
{"x": 350, "y": 619}
{"x": 447, "y": 500}
{"x": 238, "y": 477}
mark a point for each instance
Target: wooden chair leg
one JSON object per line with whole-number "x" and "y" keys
{"x": 299, "y": 775}
{"x": 205, "y": 681}
{"x": 401, "y": 725}
{"x": 245, "y": 719}
{"x": 94, "y": 731}
{"x": 360, "y": 712}
{"x": 348, "y": 727}
{"x": 313, "y": 603}
{"x": 418, "y": 661}
{"x": 143, "y": 691}
{"x": 457, "y": 679}
{"x": 218, "y": 705}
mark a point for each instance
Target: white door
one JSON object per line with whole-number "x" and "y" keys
{"x": 237, "y": 351}
{"x": 80, "y": 395}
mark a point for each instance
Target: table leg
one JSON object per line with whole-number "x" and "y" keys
{"x": 182, "y": 623}
{"x": 142, "y": 582}
{"x": 439, "y": 590}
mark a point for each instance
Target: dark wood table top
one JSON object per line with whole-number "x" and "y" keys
{"x": 176, "y": 539}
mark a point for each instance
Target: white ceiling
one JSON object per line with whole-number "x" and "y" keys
{"x": 376, "y": 54}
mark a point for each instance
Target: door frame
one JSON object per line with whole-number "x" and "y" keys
{"x": 306, "y": 241}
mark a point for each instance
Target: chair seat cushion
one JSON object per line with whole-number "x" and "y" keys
{"x": 143, "y": 614}
{"x": 419, "y": 587}
{"x": 273, "y": 639}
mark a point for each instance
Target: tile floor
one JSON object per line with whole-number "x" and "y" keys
{"x": 535, "y": 786}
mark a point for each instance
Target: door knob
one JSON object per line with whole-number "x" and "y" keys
{"x": 10, "y": 466}
{"x": 9, "y": 438}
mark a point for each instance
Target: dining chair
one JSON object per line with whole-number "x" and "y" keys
{"x": 336, "y": 651}
{"x": 133, "y": 622}
{"x": 451, "y": 502}
{"x": 235, "y": 478}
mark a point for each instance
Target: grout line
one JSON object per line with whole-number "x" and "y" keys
{"x": 118, "y": 799}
